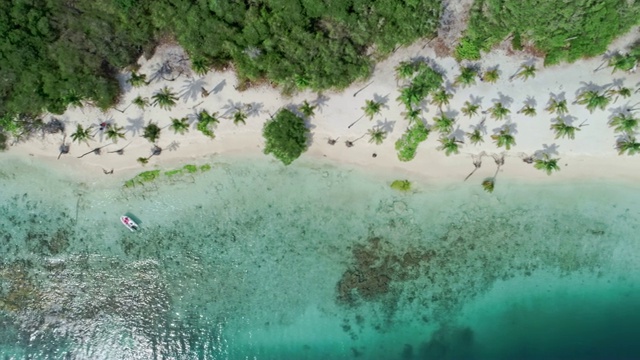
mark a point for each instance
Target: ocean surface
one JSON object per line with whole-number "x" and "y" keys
{"x": 254, "y": 260}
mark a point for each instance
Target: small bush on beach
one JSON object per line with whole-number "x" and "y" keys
{"x": 407, "y": 145}
{"x": 401, "y": 185}
{"x": 285, "y": 136}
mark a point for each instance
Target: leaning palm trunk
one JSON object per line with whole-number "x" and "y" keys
{"x": 353, "y": 123}
{"x": 477, "y": 162}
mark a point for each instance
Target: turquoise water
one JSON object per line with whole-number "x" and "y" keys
{"x": 252, "y": 260}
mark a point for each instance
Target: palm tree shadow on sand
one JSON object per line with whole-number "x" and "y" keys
{"x": 134, "y": 125}
{"x": 191, "y": 89}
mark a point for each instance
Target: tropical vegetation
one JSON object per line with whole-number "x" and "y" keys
{"x": 286, "y": 136}
{"x": 547, "y": 164}
{"x": 407, "y": 145}
{"x": 207, "y": 122}
{"x": 577, "y": 29}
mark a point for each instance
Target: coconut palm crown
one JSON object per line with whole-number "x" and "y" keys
{"x": 114, "y": 132}
{"x": 372, "y": 108}
{"x": 563, "y": 130}
{"x": 547, "y": 164}
{"x": 557, "y": 106}
{"x": 624, "y": 123}
{"x": 239, "y": 117}
{"x": 498, "y": 111}
{"x": 475, "y": 137}
{"x": 504, "y": 138}
{"x": 151, "y": 132}
{"x": 593, "y": 100}
{"x": 81, "y": 135}
{"x": 449, "y": 145}
{"x": 443, "y": 124}
{"x": 441, "y": 98}
{"x": 165, "y": 98}
{"x": 137, "y": 80}
{"x": 528, "y": 110}
{"x": 491, "y": 76}
{"x": 307, "y": 109}
{"x": 470, "y": 109}
{"x": 179, "y": 126}
{"x": 628, "y": 145}
{"x": 377, "y": 135}
{"x": 467, "y": 76}
{"x": 525, "y": 72}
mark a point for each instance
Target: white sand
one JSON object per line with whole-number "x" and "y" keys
{"x": 590, "y": 155}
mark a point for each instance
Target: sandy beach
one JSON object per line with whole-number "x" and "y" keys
{"x": 591, "y": 154}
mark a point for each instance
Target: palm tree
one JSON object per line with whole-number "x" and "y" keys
{"x": 498, "y": 111}
{"x": 179, "y": 126}
{"x": 624, "y": 123}
{"x": 449, "y": 145}
{"x": 114, "y": 132}
{"x": 443, "y": 123}
{"x": 81, "y": 135}
{"x": 137, "y": 80}
{"x": 488, "y": 184}
{"x": 563, "y": 130}
{"x": 628, "y": 145}
{"x": 140, "y": 102}
{"x": 72, "y": 98}
{"x": 625, "y": 92}
{"x": 557, "y": 106}
{"x": 504, "y": 138}
{"x": 200, "y": 66}
{"x": 239, "y": 117}
{"x": 525, "y": 72}
{"x": 528, "y": 110}
{"x": 405, "y": 70}
{"x": 301, "y": 81}
{"x": 593, "y": 100}
{"x": 475, "y": 137}
{"x": 151, "y": 132}
{"x": 547, "y": 164}
{"x": 413, "y": 115}
{"x": 372, "y": 108}
{"x": 467, "y": 76}
{"x": 410, "y": 96}
{"x": 377, "y": 135}
{"x": 470, "y": 109}
{"x": 165, "y": 98}
{"x": 491, "y": 76}
{"x": 622, "y": 62}
{"x": 307, "y": 109}
{"x": 143, "y": 160}
{"x": 206, "y": 121}
{"x": 440, "y": 98}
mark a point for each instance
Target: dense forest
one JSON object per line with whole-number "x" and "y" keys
{"x": 559, "y": 30}
{"x": 54, "y": 53}
{"x": 59, "y": 53}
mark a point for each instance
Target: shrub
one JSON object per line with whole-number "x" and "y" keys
{"x": 285, "y": 136}
{"x": 407, "y": 145}
{"x": 467, "y": 50}
{"x": 401, "y": 185}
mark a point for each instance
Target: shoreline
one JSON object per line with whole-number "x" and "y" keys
{"x": 590, "y": 156}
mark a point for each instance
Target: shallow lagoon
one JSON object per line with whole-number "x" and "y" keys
{"x": 313, "y": 261}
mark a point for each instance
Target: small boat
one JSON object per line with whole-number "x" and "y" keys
{"x": 129, "y": 223}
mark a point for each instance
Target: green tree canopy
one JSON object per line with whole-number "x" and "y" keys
{"x": 565, "y": 32}
{"x": 286, "y": 136}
